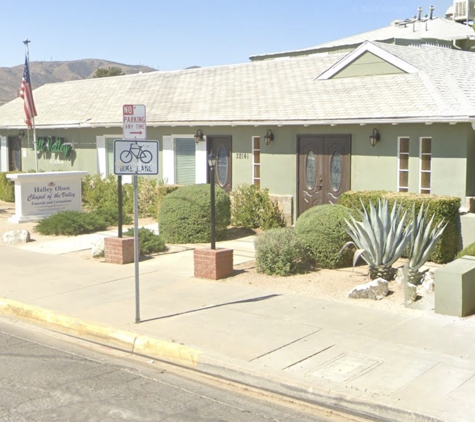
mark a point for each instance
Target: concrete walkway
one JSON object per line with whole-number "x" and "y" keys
{"x": 375, "y": 363}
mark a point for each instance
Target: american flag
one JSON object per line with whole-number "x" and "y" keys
{"x": 27, "y": 95}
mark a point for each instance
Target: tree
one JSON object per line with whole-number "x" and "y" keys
{"x": 110, "y": 71}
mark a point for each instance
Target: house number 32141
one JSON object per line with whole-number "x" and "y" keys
{"x": 242, "y": 155}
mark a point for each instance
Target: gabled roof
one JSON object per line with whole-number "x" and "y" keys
{"x": 431, "y": 31}
{"x": 367, "y": 47}
{"x": 436, "y": 87}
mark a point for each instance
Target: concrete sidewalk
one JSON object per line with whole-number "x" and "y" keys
{"x": 392, "y": 367}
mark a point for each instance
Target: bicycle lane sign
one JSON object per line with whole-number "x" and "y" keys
{"x": 135, "y": 157}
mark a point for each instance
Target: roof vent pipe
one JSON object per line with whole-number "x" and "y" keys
{"x": 431, "y": 16}
{"x": 419, "y": 13}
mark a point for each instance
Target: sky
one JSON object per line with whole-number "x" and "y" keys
{"x": 175, "y": 34}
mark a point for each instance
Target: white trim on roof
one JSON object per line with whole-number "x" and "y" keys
{"x": 358, "y": 52}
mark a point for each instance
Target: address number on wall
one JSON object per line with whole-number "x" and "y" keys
{"x": 242, "y": 156}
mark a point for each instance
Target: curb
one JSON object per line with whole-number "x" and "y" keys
{"x": 190, "y": 358}
{"x": 119, "y": 339}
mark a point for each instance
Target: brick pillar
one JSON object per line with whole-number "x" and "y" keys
{"x": 119, "y": 250}
{"x": 213, "y": 263}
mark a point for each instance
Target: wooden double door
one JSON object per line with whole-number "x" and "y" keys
{"x": 323, "y": 169}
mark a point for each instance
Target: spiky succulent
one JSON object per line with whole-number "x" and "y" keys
{"x": 380, "y": 238}
{"x": 424, "y": 238}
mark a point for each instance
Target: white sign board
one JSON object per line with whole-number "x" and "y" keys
{"x": 135, "y": 157}
{"x": 134, "y": 122}
{"x": 39, "y": 195}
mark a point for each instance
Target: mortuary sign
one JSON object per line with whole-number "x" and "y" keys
{"x": 39, "y": 195}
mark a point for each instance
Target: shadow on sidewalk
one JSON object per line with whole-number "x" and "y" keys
{"x": 256, "y": 299}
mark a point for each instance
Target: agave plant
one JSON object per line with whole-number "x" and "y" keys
{"x": 424, "y": 239}
{"x": 380, "y": 238}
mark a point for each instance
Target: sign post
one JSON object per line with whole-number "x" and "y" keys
{"x": 135, "y": 155}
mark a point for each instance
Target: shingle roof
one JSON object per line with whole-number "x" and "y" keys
{"x": 275, "y": 91}
{"x": 425, "y": 30}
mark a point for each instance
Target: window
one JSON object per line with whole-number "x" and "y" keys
{"x": 403, "y": 164}
{"x": 185, "y": 169}
{"x": 256, "y": 160}
{"x": 425, "y": 164}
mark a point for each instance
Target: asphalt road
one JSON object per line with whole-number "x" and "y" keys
{"x": 47, "y": 377}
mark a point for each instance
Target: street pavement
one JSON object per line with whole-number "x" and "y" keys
{"x": 377, "y": 364}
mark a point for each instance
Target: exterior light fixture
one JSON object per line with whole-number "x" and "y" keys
{"x": 269, "y": 137}
{"x": 212, "y": 167}
{"x": 21, "y": 134}
{"x": 374, "y": 138}
{"x": 198, "y": 136}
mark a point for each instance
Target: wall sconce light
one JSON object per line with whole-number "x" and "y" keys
{"x": 269, "y": 137}
{"x": 374, "y": 138}
{"x": 21, "y": 134}
{"x": 198, "y": 136}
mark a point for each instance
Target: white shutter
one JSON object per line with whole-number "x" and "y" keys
{"x": 101, "y": 155}
{"x": 201, "y": 162}
{"x": 168, "y": 160}
{"x": 3, "y": 154}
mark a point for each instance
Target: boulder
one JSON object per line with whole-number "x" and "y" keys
{"x": 374, "y": 289}
{"x": 14, "y": 237}
{"x": 97, "y": 249}
{"x": 399, "y": 279}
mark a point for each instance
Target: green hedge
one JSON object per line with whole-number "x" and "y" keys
{"x": 442, "y": 207}
{"x": 185, "y": 214}
{"x": 322, "y": 230}
{"x": 7, "y": 188}
{"x": 279, "y": 251}
{"x": 252, "y": 207}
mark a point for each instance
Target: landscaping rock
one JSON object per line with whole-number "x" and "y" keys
{"x": 428, "y": 281}
{"x": 410, "y": 293}
{"x": 97, "y": 249}
{"x": 374, "y": 289}
{"x": 399, "y": 279}
{"x": 13, "y": 237}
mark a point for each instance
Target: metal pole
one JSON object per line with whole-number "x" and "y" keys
{"x": 136, "y": 252}
{"x": 27, "y": 54}
{"x": 213, "y": 210}
{"x": 119, "y": 196}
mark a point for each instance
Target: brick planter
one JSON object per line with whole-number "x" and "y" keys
{"x": 119, "y": 250}
{"x": 213, "y": 264}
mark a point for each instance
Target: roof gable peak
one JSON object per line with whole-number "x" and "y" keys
{"x": 367, "y": 47}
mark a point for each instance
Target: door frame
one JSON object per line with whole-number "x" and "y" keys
{"x": 317, "y": 135}
{"x": 10, "y": 140}
{"x": 215, "y": 141}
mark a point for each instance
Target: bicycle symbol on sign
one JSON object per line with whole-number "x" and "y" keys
{"x": 136, "y": 151}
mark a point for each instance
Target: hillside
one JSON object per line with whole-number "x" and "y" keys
{"x": 49, "y": 72}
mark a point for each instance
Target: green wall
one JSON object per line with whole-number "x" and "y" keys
{"x": 371, "y": 168}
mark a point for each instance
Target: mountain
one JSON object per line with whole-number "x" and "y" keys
{"x": 49, "y": 72}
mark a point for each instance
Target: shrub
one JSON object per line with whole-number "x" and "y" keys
{"x": 185, "y": 215}
{"x": 444, "y": 208}
{"x": 71, "y": 223}
{"x": 279, "y": 252}
{"x": 322, "y": 229}
{"x": 147, "y": 197}
{"x": 468, "y": 251}
{"x": 102, "y": 194}
{"x": 7, "y": 188}
{"x": 162, "y": 191}
{"x": 252, "y": 207}
{"x": 149, "y": 241}
{"x": 111, "y": 216}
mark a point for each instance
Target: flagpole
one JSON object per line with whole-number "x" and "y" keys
{"x": 27, "y": 54}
